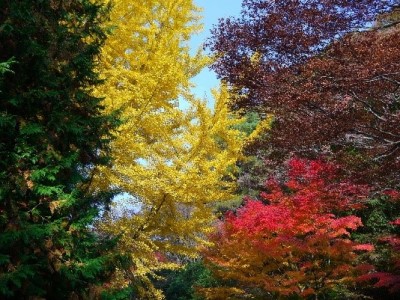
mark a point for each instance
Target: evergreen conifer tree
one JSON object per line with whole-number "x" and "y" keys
{"x": 53, "y": 134}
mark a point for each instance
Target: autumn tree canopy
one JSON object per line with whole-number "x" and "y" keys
{"x": 295, "y": 241}
{"x": 327, "y": 70}
{"x": 174, "y": 157}
{"x": 271, "y": 36}
{"x": 328, "y": 74}
{"x": 113, "y": 174}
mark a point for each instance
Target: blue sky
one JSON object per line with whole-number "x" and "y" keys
{"x": 212, "y": 11}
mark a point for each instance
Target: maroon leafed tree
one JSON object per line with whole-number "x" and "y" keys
{"x": 329, "y": 72}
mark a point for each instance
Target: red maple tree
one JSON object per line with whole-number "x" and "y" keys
{"x": 297, "y": 239}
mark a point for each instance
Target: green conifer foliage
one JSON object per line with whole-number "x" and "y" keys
{"x": 53, "y": 134}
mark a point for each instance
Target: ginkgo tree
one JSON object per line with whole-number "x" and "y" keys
{"x": 171, "y": 164}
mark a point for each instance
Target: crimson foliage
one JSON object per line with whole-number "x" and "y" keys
{"x": 297, "y": 240}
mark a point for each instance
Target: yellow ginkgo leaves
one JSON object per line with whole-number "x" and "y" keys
{"x": 172, "y": 164}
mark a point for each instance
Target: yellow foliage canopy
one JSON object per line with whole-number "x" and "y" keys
{"x": 172, "y": 164}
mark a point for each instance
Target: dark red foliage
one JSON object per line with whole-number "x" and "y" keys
{"x": 345, "y": 102}
{"x": 329, "y": 71}
{"x": 284, "y": 34}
